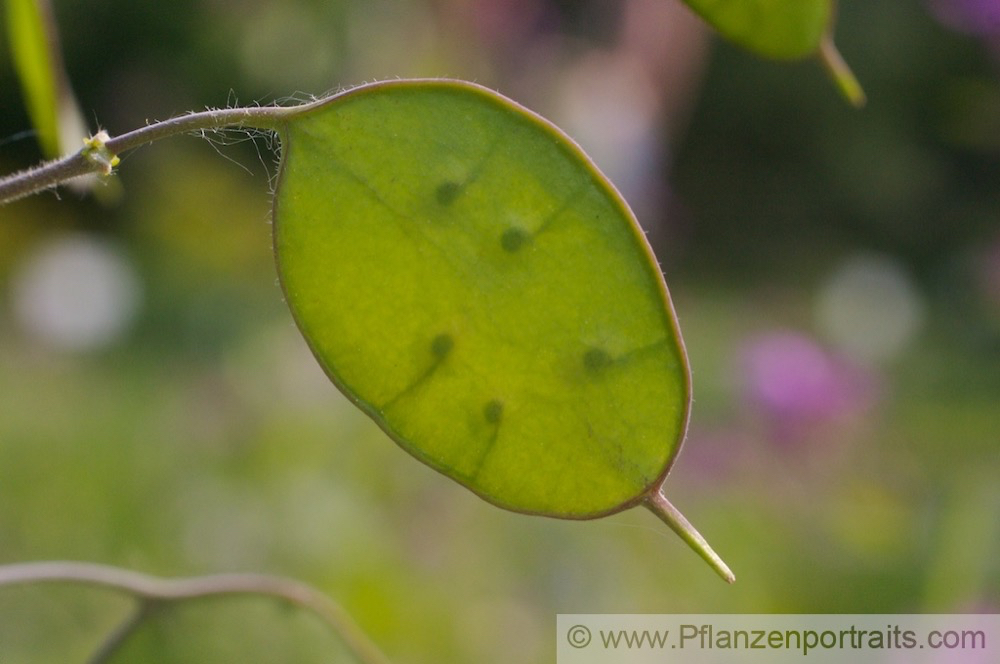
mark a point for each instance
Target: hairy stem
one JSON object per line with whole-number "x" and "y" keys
{"x": 153, "y": 591}
{"x": 658, "y": 504}
{"x": 91, "y": 159}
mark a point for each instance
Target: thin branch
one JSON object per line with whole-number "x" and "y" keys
{"x": 100, "y": 150}
{"x": 121, "y": 634}
{"x": 151, "y": 590}
{"x": 44, "y": 177}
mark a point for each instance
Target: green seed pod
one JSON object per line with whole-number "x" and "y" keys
{"x": 468, "y": 278}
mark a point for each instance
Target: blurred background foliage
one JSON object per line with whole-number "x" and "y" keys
{"x": 836, "y": 273}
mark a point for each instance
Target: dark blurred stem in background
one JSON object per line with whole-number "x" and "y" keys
{"x": 154, "y": 592}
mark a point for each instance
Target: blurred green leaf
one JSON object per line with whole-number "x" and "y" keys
{"x": 468, "y": 278}
{"x": 37, "y": 60}
{"x": 785, "y": 29}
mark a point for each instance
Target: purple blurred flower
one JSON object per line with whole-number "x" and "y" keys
{"x": 977, "y": 17}
{"x": 989, "y": 272}
{"x": 793, "y": 381}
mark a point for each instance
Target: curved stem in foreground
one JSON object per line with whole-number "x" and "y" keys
{"x": 151, "y": 591}
{"x": 658, "y": 504}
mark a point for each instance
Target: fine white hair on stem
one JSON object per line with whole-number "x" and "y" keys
{"x": 59, "y": 171}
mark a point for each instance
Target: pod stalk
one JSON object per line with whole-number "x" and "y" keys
{"x": 658, "y": 504}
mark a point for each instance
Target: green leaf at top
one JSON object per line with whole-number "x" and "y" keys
{"x": 785, "y": 29}
{"x": 466, "y": 275}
